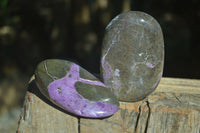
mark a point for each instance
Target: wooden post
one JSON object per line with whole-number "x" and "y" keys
{"x": 173, "y": 108}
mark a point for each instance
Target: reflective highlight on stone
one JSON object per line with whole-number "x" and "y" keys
{"x": 132, "y": 55}
{"x": 74, "y": 89}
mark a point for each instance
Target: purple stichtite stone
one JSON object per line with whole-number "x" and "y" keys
{"x": 132, "y": 55}
{"x": 74, "y": 89}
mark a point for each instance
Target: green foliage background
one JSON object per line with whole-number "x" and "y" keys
{"x": 34, "y": 30}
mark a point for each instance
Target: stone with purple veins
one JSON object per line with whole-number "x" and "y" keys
{"x": 74, "y": 89}
{"x": 132, "y": 55}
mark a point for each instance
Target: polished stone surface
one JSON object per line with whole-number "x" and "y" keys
{"x": 74, "y": 89}
{"x": 132, "y": 55}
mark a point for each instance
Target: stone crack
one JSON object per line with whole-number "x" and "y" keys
{"x": 51, "y": 76}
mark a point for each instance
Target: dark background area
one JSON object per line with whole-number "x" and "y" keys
{"x": 34, "y": 30}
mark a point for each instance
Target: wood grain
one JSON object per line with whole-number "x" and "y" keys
{"x": 40, "y": 116}
{"x": 173, "y": 108}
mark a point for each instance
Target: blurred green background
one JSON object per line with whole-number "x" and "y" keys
{"x": 34, "y": 30}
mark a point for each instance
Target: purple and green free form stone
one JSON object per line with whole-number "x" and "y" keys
{"x": 74, "y": 89}
{"x": 132, "y": 55}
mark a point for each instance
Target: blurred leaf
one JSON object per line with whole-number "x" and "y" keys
{"x": 3, "y": 3}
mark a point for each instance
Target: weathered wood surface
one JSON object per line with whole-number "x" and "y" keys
{"x": 173, "y": 108}
{"x": 40, "y": 116}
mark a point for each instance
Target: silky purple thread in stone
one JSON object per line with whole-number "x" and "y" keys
{"x": 108, "y": 75}
{"x": 106, "y": 67}
{"x": 133, "y": 43}
{"x": 150, "y": 65}
{"x": 72, "y": 101}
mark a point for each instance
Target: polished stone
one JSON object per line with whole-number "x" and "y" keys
{"x": 132, "y": 55}
{"x": 74, "y": 89}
